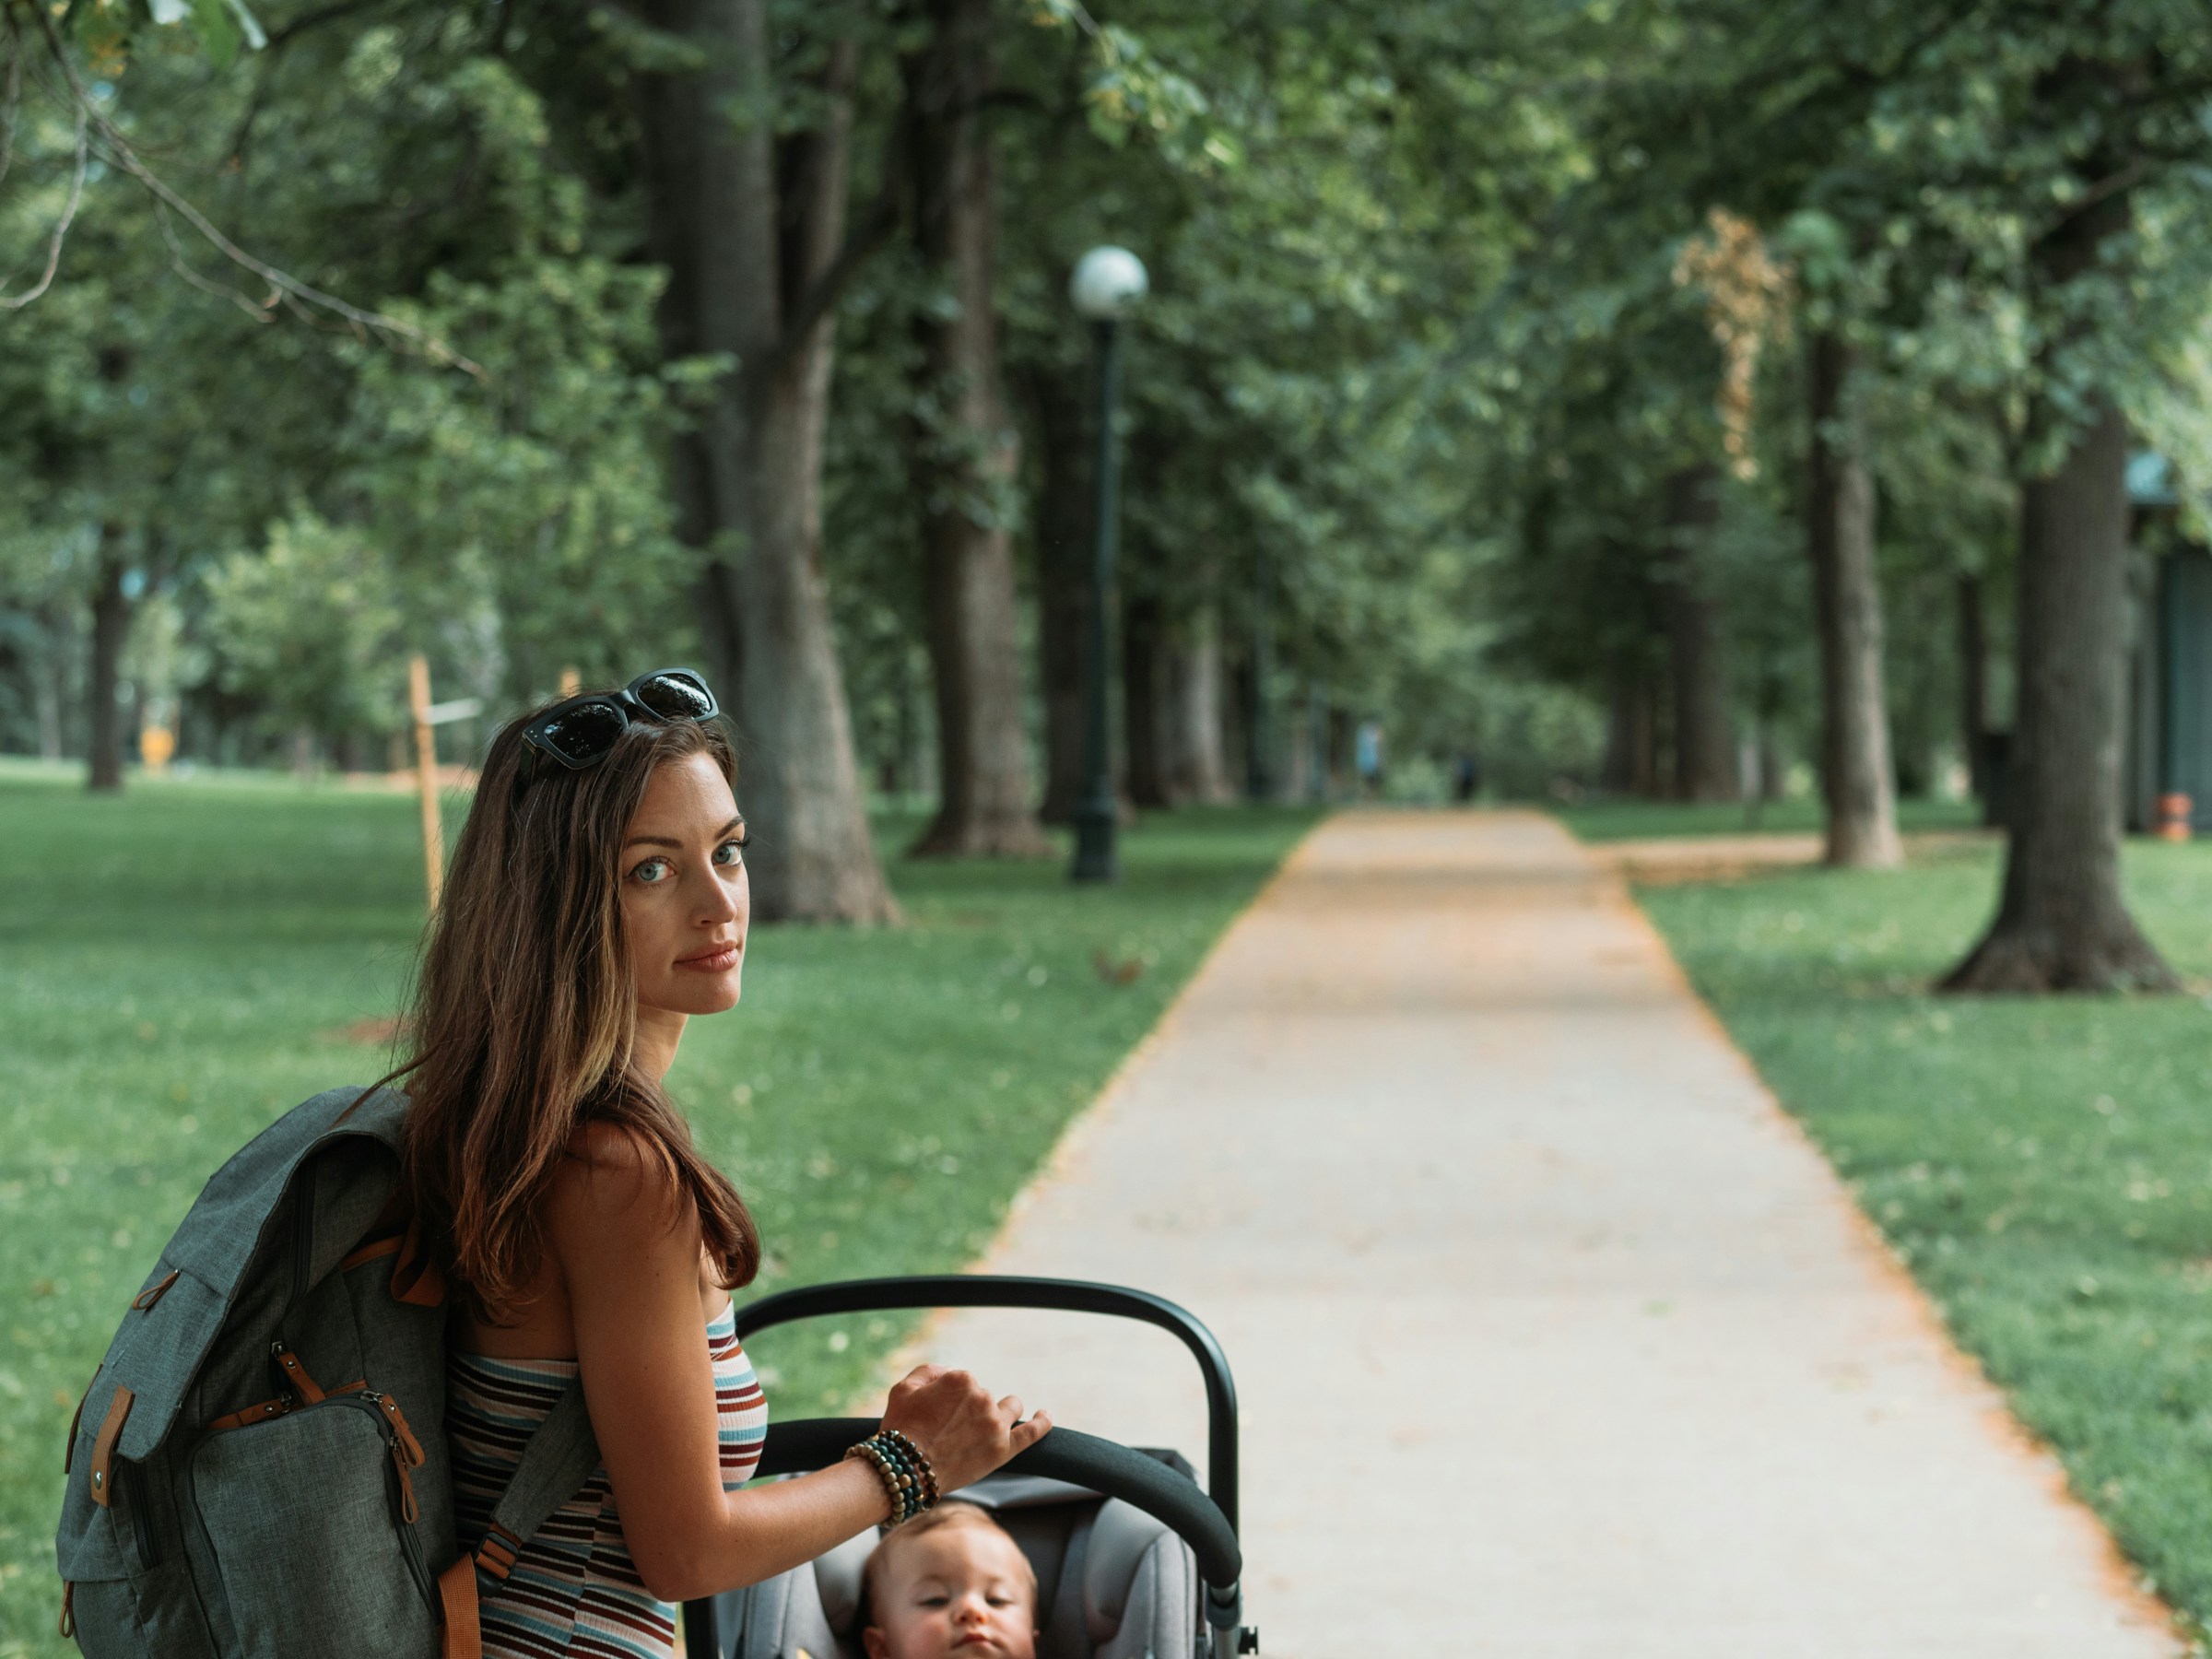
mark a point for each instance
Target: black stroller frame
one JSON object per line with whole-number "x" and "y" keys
{"x": 1206, "y": 1520}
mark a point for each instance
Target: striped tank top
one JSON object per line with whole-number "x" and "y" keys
{"x": 574, "y": 1590}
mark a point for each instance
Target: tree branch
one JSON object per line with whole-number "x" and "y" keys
{"x": 261, "y": 310}
{"x": 314, "y": 19}
{"x": 61, "y": 227}
{"x": 874, "y": 229}
{"x": 295, "y": 294}
{"x": 2113, "y": 183}
{"x": 11, "y": 96}
{"x": 825, "y": 281}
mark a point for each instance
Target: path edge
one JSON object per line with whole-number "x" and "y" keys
{"x": 2122, "y": 1579}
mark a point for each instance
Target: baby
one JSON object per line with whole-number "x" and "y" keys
{"x": 950, "y": 1581}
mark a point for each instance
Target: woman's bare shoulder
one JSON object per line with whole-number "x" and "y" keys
{"x": 616, "y": 1184}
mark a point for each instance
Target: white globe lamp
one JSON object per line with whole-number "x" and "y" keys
{"x": 1107, "y": 282}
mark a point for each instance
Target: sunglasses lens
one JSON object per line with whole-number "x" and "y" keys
{"x": 583, "y": 734}
{"x": 676, "y": 697}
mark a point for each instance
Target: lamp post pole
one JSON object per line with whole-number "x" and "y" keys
{"x": 1107, "y": 282}
{"x": 1259, "y": 781}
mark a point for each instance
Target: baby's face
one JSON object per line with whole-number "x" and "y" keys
{"x": 959, "y": 1590}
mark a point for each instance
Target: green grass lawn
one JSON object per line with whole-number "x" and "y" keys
{"x": 180, "y": 965}
{"x": 1645, "y": 820}
{"x": 2044, "y": 1166}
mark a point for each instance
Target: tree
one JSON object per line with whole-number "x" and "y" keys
{"x": 1704, "y": 729}
{"x": 1856, "y": 774}
{"x": 2101, "y": 112}
{"x": 750, "y": 225}
{"x": 964, "y": 449}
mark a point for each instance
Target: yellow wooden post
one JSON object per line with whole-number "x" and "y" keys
{"x": 572, "y": 682}
{"x": 425, "y": 776}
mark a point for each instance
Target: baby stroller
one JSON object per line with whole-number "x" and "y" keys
{"x": 1134, "y": 1561}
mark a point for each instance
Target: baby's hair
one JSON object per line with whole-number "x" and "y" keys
{"x": 953, "y": 1512}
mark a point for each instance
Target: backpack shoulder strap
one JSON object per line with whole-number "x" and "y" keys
{"x": 560, "y": 1456}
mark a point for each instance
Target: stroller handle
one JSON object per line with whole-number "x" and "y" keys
{"x": 1070, "y": 1295}
{"x": 1084, "y": 1460}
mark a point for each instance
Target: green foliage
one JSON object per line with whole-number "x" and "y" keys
{"x": 1919, "y": 167}
{"x": 222, "y": 949}
{"x": 511, "y": 520}
{"x": 110, "y": 29}
{"x": 311, "y": 626}
{"x": 2044, "y": 1168}
{"x": 1302, "y": 457}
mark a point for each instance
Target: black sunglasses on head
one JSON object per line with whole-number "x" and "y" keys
{"x": 583, "y": 731}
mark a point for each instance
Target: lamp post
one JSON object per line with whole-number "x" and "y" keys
{"x": 1107, "y": 283}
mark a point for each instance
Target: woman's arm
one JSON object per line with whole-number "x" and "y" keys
{"x": 628, "y": 1244}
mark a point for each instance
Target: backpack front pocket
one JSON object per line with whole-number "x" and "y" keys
{"x": 318, "y": 1497}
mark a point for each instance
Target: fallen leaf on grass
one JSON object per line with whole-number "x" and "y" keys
{"x": 1117, "y": 973}
{"x": 377, "y": 1031}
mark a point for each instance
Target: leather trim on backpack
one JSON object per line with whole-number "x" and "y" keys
{"x": 416, "y": 1278}
{"x": 497, "y": 1554}
{"x": 295, "y": 1369}
{"x": 372, "y": 1250}
{"x": 457, "y": 1601}
{"x": 276, "y": 1407}
{"x": 144, "y": 1301}
{"x": 76, "y": 1419}
{"x": 104, "y": 1444}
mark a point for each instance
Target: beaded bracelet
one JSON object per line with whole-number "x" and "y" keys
{"x": 906, "y": 1474}
{"x": 928, "y": 1476}
{"x": 866, "y": 1452}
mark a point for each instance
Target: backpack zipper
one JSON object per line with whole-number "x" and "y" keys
{"x": 142, "y": 1523}
{"x": 411, "y": 1547}
{"x": 304, "y": 1235}
{"x": 406, "y": 1456}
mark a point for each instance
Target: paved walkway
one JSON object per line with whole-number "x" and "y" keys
{"x": 1554, "y": 1336}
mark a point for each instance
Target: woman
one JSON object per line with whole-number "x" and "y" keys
{"x": 597, "y": 902}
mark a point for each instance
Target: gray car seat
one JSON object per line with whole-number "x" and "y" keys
{"x": 1112, "y": 1582}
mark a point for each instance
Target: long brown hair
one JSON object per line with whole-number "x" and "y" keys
{"x": 524, "y": 1016}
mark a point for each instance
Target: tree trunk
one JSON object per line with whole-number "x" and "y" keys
{"x": 1298, "y": 778}
{"x": 1238, "y": 731}
{"x": 1247, "y": 709}
{"x": 749, "y": 232}
{"x": 1855, "y": 774}
{"x": 1704, "y": 745}
{"x": 49, "y": 681}
{"x": 2061, "y": 925}
{"x": 1197, "y": 769}
{"x": 1769, "y": 761}
{"x": 965, "y": 452}
{"x": 1063, "y": 517}
{"x": 1141, "y": 720}
{"x": 110, "y": 630}
{"x": 1339, "y": 780}
{"x": 1973, "y": 684}
{"x": 1628, "y": 766}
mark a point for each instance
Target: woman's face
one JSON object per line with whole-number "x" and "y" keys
{"x": 684, "y": 897}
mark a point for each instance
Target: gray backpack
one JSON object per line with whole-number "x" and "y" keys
{"x": 259, "y": 1468}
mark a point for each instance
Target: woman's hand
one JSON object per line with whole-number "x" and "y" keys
{"x": 960, "y": 1428}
